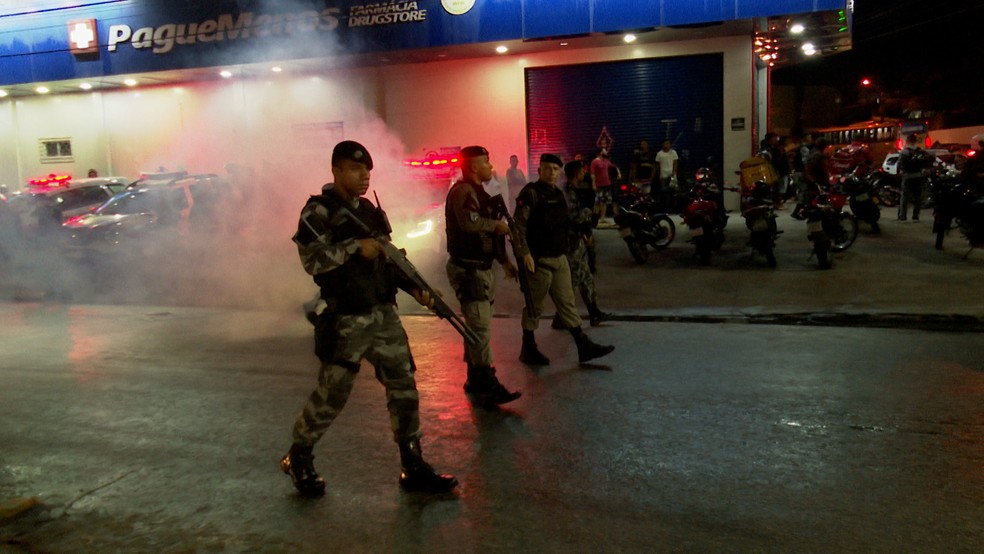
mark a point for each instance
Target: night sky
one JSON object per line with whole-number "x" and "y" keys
{"x": 929, "y": 50}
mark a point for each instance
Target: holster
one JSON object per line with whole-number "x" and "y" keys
{"x": 326, "y": 335}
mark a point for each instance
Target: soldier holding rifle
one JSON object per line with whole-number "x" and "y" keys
{"x": 342, "y": 241}
{"x": 475, "y": 240}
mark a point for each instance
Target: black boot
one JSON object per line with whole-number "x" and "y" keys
{"x": 596, "y": 316}
{"x": 299, "y": 464}
{"x": 530, "y": 354}
{"x": 586, "y": 349}
{"x": 417, "y": 475}
{"x": 485, "y": 389}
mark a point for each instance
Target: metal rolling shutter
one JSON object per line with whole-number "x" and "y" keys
{"x": 680, "y": 98}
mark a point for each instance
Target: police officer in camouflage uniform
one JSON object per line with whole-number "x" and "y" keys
{"x": 542, "y": 229}
{"x": 360, "y": 321}
{"x": 579, "y": 241}
{"x": 476, "y": 239}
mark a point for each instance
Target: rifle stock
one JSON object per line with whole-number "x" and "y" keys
{"x": 399, "y": 259}
{"x": 500, "y": 209}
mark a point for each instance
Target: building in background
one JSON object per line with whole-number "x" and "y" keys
{"x": 140, "y": 85}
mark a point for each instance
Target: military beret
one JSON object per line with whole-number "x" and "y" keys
{"x": 472, "y": 152}
{"x": 351, "y": 150}
{"x": 551, "y": 159}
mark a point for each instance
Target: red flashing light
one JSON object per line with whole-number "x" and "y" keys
{"x": 431, "y": 162}
{"x": 866, "y": 82}
{"x": 52, "y": 180}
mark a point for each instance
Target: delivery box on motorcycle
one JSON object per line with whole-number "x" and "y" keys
{"x": 756, "y": 169}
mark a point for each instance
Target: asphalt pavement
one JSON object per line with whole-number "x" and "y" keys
{"x": 745, "y": 409}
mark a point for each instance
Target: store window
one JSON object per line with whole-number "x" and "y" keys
{"x": 55, "y": 150}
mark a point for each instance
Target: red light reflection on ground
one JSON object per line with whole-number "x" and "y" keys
{"x": 87, "y": 349}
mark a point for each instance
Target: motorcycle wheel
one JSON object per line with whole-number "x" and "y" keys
{"x": 889, "y": 197}
{"x": 638, "y": 251}
{"x": 845, "y": 233}
{"x": 665, "y": 230}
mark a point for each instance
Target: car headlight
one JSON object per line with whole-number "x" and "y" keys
{"x": 423, "y": 228}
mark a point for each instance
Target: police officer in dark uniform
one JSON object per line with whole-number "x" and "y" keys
{"x": 360, "y": 321}
{"x": 475, "y": 240}
{"x": 542, "y": 234}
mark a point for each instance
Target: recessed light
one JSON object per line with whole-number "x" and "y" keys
{"x": 225, "y": 73}
{"x": 3, "y": 93}
{"x": 276, "y": 69}
{"x": 502, "y": 49}
{"x": 629, "y": 38}
{"x": 797, "y": 29}
{"x": 85, "y": 86}
{"x": 43, "y": 90}
{"x": 564, "y": 44}
{"x": 130, "y": 82}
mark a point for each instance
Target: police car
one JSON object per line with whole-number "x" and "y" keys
{"x": 49, "y": 201}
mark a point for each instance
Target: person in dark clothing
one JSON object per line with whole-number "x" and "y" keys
{"x": 542, "y": 234}
{"x": 475, "y": 240}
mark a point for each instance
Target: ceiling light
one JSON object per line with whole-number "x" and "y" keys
{"x": 797, "y": 28}
{"x": 502, "y": 49}
{"x": 809, "y": 49}
{"x": 564, "y": 44}
{"x": 225, "y": 73}
{"x": 130, "y": 82}
{"x": 3, "y": 93}
{"x": 276, "y": 69}
{"x": 43, "y": 90}
{"x": 629, "y": 38}
{"x": 85, "y": 86}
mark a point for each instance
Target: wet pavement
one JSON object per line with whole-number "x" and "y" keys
{"x": 143, "y": 428}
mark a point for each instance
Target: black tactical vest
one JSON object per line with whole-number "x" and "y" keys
{"x": 547, "y": 227}
{"x": 470, "y": 246}
{"x": 358, "y": 284}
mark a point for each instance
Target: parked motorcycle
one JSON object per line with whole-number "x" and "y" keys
{"x": 704, "y": 215}
{"x": 955, "y": 206}
{"x": 757, "y": 207}
{"x": 828, "y": 226}
{"x": 887, "y": 188}
{"x": 642, "y": 226}
{"x": 861, "y": 198}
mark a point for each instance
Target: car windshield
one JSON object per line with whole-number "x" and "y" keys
{"x": 133, "y": 202}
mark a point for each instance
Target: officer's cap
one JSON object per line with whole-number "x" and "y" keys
{"x": 351, "y": 150}
{"x": 551, "y": 159}
{"x": 472, "y": 152}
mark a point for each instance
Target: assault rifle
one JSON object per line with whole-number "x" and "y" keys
{"x": 399, "y": 259}
{"x": 499, "y": 210}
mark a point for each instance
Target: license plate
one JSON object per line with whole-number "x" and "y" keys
{"x": 814, "y": 227}
{"x": 625, "y": 232}
{"x": 696, "y": 231}
{"x": 760, "y": 225}
{"x": 862, "y": 197}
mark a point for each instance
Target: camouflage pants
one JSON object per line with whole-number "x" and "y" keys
{"x": 553, "y": 277}
{"x": 379, "y": 338}
{"x": 581, "y": 277}
{"x": 475, "y": 290}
